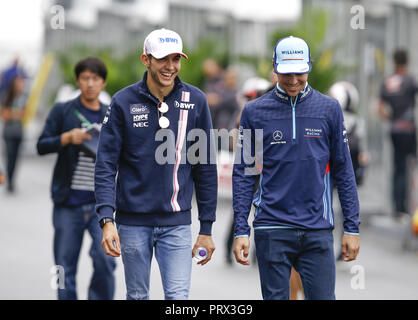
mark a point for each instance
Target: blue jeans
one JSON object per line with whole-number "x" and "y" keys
{"x": 12, "y": 152}
{"x": 173, "y": 252}
{"x": 70, "y": 224}
{"x": 310, "y": 252}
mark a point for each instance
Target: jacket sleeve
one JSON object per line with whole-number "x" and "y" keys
{"x": 243, "y": 180}
{"x": 110, "y": 144}
{"x": 205, "y": 175}
{"x": 50, "y": 138}
{"x": 343, "y": 174}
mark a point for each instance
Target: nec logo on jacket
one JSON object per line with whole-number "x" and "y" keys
{"x": 139, "y": 114}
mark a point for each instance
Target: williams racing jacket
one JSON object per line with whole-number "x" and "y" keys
{"x": 295, "y": 151}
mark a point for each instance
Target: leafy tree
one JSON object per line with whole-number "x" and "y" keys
{"x": 121, "y": 71}
{"x": 191, "y": 70}
{"x": 128, "y": 69}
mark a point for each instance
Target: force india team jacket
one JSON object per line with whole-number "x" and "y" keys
{"x": 304, "y": 152}
{"x": 148, "y": 191}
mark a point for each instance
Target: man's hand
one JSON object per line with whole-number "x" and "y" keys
{"x": 110, "y": 241}
{"x": 74, "y": 136}
{"x": 350, "y": 247}
{"x": 241, "y": 250}
{"x": 2, "y": 178}
{"x": 6, "y": 113}
{"x": 206, "y": 242}
{"x": 382, "y": 110}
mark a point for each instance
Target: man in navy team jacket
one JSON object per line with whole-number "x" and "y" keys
{"x": 150, "y": 199}
{"x": 304, "y": 151}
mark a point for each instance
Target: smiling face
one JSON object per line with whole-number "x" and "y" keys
{"x": 162, "y": 72}
{"x": 292, "y": 83}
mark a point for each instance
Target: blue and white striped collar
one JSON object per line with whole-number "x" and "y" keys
{"x": 281, "y": 94}
{"x": 284, "y": 92}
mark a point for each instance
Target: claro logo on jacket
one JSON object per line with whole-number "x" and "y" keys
{"x": 139, "y": 114}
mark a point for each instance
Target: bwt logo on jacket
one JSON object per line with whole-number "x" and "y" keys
{"x": 183, "y": 105}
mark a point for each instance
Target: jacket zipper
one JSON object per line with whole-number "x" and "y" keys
{"x": 293, "y": 105}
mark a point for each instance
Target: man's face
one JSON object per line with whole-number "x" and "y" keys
{"x": 292, "y": 83}
{"x": 163, "y": 71}
{"x": 90, "y": 84}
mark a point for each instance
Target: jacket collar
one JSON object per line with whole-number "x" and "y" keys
{"x": 282, "y": 96}
{"x": 143, "y": 88}
{"x": 79, "y": 104}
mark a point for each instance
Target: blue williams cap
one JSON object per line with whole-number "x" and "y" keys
{"x": 292, "y": 55}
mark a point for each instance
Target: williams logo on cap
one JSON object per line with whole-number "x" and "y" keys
{"x": 292, "y": 55}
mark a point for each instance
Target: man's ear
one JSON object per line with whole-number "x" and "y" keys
{"x": 145, "y": 60}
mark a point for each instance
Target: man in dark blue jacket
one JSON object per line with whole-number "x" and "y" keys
{"x": 73, "y": 181}
{"x": 152, "y": 194}
{"x": 397, "y": 104}
{"x": 301, "y": 151}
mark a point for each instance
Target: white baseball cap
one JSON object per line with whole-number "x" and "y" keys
{"x": 346, "y": 94}
{"x": 255, "y": 85}
{"x": 292, "y": 55}
{"x": 163, "y": 42}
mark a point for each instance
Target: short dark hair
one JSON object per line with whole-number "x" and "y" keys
{"x": 92, "y": 64}
{"x": 400, "y": 57}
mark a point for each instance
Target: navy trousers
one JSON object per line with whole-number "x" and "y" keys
{"x": 310, "y": 252}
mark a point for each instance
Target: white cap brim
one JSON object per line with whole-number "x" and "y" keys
{"x": 293, "y": 68}
{"x": 162, "y": 54}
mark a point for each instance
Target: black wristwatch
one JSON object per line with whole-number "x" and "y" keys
{"x": 103, "y": 221}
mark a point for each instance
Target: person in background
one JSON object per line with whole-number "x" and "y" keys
{"x": 73, "y": 182}
{"x": 221, "y": 91}
{"x": 12, "y": 111}
{"x": 213, "y": 85}
{"x": 348, "y": 97}
{"x": 252, "y": 89}
{"x": 2, "y": 176}
{"x": 397, "y": 104}
{"x": 9, "y": 74}
{"x": 227, "y": 110}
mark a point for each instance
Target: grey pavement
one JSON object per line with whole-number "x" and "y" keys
{"x": 383, "y": 269}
